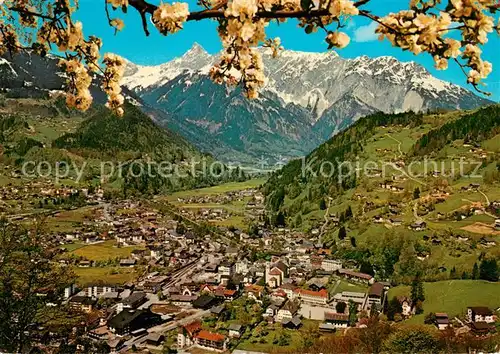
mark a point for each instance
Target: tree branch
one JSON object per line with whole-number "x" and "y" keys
{"x": 144, "y": 7}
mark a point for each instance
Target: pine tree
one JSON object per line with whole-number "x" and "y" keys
{"x": 417, "y": 290}
{"x": 342, "y": 233}
{"x": 353, "y": 241}
{"x": 475, "y": 272}
{"x": 348, "y": 213}
{"x": 353, "y": 310}
{"x": 453, "y": 273}
{"x": 393, "y": 307}
{"x": 488, "y": 270}
{"x": 416, "y": 193}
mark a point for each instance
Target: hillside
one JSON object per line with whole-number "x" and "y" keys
{"x": 133, "y": 134}
{"x": 453, "y": 296}
{"x": 96, "y": 145}
{"x": 377, "y": 181}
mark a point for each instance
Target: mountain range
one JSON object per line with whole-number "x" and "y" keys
{"x": 308, "y": 98}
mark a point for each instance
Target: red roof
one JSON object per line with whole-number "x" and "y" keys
{"x": 228, "y": 292}
{"x": 321, "y": 293}
{"x": 254, "y": 288}
{"x": 193, "y": 327}
{"x": 275, "y": 272}
{"x": 279, "y": 292}
{"x": 214, "y": 337}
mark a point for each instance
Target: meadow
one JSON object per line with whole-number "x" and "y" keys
{"x": 107, "y": 275}
{"x": 453, "y": 296}
{"x": 104, "y": 251}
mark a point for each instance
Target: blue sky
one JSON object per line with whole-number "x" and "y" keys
{"x": 132, "y": 44}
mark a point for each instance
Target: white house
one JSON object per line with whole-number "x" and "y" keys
{"x": 288, "y": 311}
{"x": 312, "y": 297}
{"x": 480, "y": 314}
{"x": 330, "y": 265}
{"x": 226, "y": 269}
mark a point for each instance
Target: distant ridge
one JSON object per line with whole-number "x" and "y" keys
{"x": 308, "y": 98}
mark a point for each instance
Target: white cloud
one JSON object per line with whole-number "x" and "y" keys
{"x": 366, "y": 33}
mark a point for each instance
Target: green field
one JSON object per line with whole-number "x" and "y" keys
{"x": 107, "y": 275}
{"x": 104, "y": 251}
{"x": 347, "y": 286}
{"x": 222, "y": 188}
{"x": 453, "y": 296}
{"x": 265, "y": 343}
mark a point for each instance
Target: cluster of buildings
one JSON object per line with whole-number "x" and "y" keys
{"x": 36, "y": 194}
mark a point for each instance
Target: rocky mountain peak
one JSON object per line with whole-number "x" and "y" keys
{"x": 307, "y": 97}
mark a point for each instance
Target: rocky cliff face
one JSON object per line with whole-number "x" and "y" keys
{"x": 308, "y": 98}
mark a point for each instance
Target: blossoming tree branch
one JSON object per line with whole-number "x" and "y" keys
{"x": 448, "y": 30}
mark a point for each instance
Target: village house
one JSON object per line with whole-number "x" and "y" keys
{"x": 288, "y": 311}
{"x": 378, "y": 219}
{"x": 85, "y": 264}
{"x": 396, "y": 222}
{"x": 133, "y": 301}
{"x": 288, "y": 289}
{"x": 480, "y": 314}
{"x": 376, "y": 295}
{"x": 82, "y": 303}
{"x": 69, "y": 291}
{"x": 241, "y": 267}
{"x": 193, "y": 335}
{"x": 356, "y": 276}
{"x": 128, "y": 263}
{"x": 128, "y": 321}
{"x": 406, "y": 305}
{"x": 156, "y": 252}
{"x": 337, "y": 320}
{"x": 442, "y": 320}
{"x": 312, "y": 297}
{"x": 154, "y": 284}
{"x": 99, "y": 290}
{"x": 291, "y": 323}
{"x": 254, "y": 292}
{"x": 235, "y": 330}
{"x": 482, "y": 328}
{"x": 182, "y": 300}
{"x": 497, "y": 225}
{"x": 330, "y": 265}
{"x": 271, "y": 310}
{"x": 226, "y": 269}
{"x": 123, "y": 239}
{"x": 419, "y": 225}
{"x": 317, "y": 284}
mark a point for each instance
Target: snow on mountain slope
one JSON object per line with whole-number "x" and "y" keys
{"x": 323, "y": 92}
{"x": 138, "y": 77}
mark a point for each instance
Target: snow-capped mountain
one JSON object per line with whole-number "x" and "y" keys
{"x": 308, "y": 97}
{"x": 138, "y": 77}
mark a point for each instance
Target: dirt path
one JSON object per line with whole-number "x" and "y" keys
{"x": 399, "y": 144}
{"x": 326, "y": 217}
{"x": 401, "y": 155}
